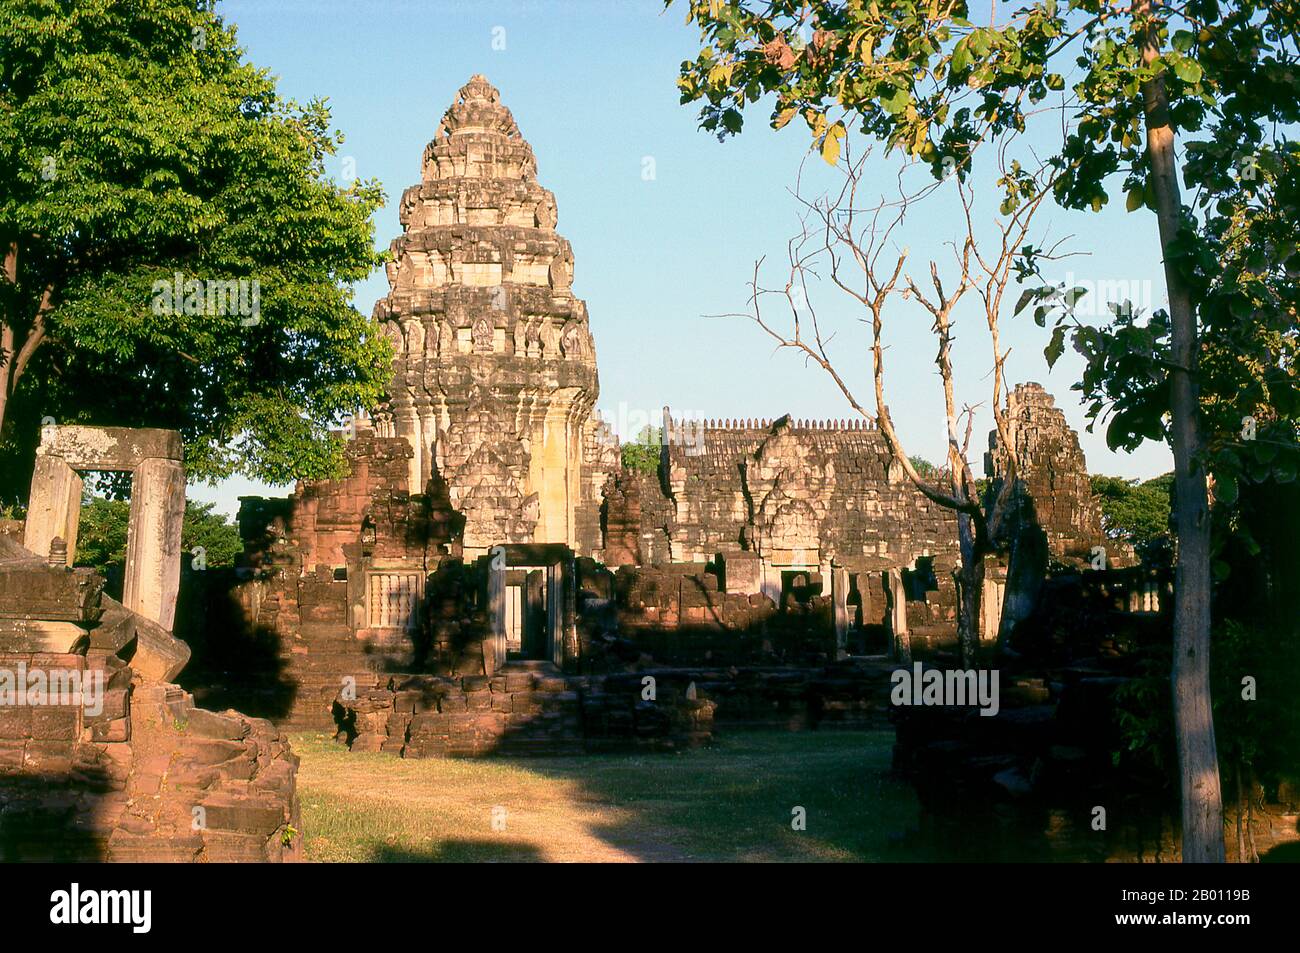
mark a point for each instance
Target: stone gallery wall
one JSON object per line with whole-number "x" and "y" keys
{"x": 797, "y": 493}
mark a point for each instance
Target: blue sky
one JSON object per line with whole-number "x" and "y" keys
{"x": 592, "y": 86}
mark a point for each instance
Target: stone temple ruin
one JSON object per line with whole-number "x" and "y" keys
{"x": 489, "y": 577}
{"x": 488, "y": 574}
{"x": 101, "y": 756}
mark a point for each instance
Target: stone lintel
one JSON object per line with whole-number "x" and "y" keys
{"x": 109, "y": 448}
{"x": 809, "y": 559}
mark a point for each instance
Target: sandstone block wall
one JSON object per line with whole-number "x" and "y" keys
{"x": 1057, "y": 495}
{"x": 798, "y": 493}
{"x": 521, "y": 712}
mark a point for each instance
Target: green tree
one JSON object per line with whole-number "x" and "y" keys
{"x": 924, "y": 467}
{"x": 923, "y": 78}
{"x": 1133, "y": 510}
{"x": 642, "y": 454}
{"x": 137, "y": 145}
{"x": 102, "y": 532}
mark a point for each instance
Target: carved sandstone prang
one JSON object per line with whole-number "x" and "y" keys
{"x": 511, "y": 382}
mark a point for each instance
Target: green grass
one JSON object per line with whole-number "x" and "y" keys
{"x": 730, "y": 802}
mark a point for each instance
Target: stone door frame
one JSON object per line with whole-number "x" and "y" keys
{"x": 556, "y": 560}
{"x": 154, "y": 458}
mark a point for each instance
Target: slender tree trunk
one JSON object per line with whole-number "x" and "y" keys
{"x": 1198, "y": 761}
{"x": 8, "y": 346}
{"x": 1241, "y": 816}
{"x": 971, "y": 590}
{"x": 6, "y": 356}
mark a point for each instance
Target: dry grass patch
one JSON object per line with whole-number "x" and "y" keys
{"x": 731, "y": 802}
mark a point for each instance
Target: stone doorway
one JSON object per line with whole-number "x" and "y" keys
{"x": 530, "y": 589}
{"x": 798, "y": 587}
{"x": 526, "y": 614}
{"x": 153, "y": 544}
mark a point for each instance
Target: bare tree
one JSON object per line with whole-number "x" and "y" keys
{"x": 854, "y": 247}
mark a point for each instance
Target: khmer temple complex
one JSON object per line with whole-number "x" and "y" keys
{"x": 488, "y": 528}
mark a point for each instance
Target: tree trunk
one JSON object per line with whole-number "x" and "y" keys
{"x": 971, "y": 590}
{"x": 1198, "y": 761}
{"x": 6, "y": 356}
{"x": 8, "y": 343}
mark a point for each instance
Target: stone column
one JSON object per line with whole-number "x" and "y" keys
{"x": 990, "y": 610}
{"x": 494, "y": 649}
{"x": 153, "y": 542}
{"x": 54, "y": 507}
{"x": 555, "y": 613}
{"x": 570, "y": 581}
{"x": 840, "y": 610}
{"x": 898, "y": 616}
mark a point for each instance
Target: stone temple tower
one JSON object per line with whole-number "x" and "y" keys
{"x": 494, "y": 379}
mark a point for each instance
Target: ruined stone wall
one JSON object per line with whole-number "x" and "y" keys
{"x": 523, "y": 713}
{"x": 1057, "y": 493}
{"x": 125, "y": 767}
{"x": 636, "y": 520}
{"x": 416, "y": 716}
{"x": 308, "y": 607}
{"x": 327, "y": 516}
{"x": 795, "y": 493}
{"x": 495, "y": 376}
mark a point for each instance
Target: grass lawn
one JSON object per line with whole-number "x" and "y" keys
{"x": 730, "y": 802}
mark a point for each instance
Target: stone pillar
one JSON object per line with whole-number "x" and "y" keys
{"x": 840, "y": 610}
{"x": 570, "y": 579}
{"x": 554, "y": 613}
{"x": 494, "y": 648}
{"x": 153, "y": 542}
{"x": 898, "y": 616}
{"x": 990, "y": 609}
{"x": 53, "y": 507}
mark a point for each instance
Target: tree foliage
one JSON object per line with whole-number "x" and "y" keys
{"x": 642, "y": 455}
{"x": 137, "y": 144}
{"x": 1136, "y": 511}
{"x": 101, "y": 539}
{"x": 924, "y": 467}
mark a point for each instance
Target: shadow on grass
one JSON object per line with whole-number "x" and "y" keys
{"x": 1282, "y": 854}
{"x": 751, "y": 796}
{"x": 459, "y": 851}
